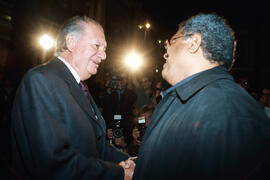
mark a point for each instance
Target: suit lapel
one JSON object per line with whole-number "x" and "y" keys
{"x": 98, "y": 115}
{"x": 76, "y": 91}
{"x": 93, "y": 111}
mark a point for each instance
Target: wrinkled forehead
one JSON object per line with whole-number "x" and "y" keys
{"x": 95, "y": 31}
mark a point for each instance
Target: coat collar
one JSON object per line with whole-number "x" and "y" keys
{"x": 206, "y": 77}
{"x": 186, "y": 91}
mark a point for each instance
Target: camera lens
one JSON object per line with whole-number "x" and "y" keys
{"x": 117, "y": 133}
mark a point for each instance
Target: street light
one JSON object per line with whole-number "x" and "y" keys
{"x": 147, "y": 25}
{"x": 140, "y": 26}
{"x": 147, "y": 28}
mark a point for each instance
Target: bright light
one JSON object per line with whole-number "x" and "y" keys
{"x": 8, "y": 17}
{"x": 46, "y": 42}
{"x": 159, "y": 41}
{"x": 156, "y": 70}
{"x": 147, "y": 25}
{"x": 140, "y": 26}
{"x": 133, "y": 60}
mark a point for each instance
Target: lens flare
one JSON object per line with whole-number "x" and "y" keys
{"x": 133, "y": 60}
{"x": 46, "y": 42}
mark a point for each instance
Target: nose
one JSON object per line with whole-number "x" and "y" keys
{"x": 165, "y": 56}
{"x": 102, "y": 54}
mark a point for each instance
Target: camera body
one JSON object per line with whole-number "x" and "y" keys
{"x": 114, "y": 82}
{"x": 141, "y": 126}
{"x": 116, "y": 128}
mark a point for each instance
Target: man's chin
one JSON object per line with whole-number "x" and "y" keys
{"x": 93, "y": 71}
{"x": 163, "y": 73}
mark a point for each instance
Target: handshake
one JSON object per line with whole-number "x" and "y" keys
{"x": 128, "y": 166}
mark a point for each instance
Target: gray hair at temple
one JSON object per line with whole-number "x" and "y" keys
{"x": 74, "y": 26}
{"x": 218, "y": 40}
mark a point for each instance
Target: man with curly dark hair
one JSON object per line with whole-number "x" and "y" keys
{"x": 206, "y": 126}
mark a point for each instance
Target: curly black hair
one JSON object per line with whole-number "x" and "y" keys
{"x": 218, "y": 39}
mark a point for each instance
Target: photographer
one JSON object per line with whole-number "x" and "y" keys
{"x": 139, "y": 129}
{"x": 118, "y": 111}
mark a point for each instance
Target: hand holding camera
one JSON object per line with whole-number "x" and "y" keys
{"x": 139, "y": 130}
{"x": 141, "y": 127}
{"x": 115, "y": 134}
{"x": 109, "y": 133}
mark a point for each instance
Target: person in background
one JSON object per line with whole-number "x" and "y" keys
{"x": 245, "y": 84}
{"x": 139, "y": 127}
{"x": 7, "y": 93}
{"x": 206, "y": 126}
{"x": 57, "y": 129}
{"x": 158, "y": 93}
{"x": 144, "y": 91}
{"x": 119, "y": 102}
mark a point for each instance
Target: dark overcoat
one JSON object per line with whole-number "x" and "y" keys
{"x": 55, "y": 133}
{"x": 208, "y": 128}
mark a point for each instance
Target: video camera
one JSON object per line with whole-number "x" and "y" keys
{"x": 114, "y": 82}
{"x": 141, "y": 127}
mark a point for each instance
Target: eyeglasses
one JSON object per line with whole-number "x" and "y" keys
{"x": 168, "y": 43}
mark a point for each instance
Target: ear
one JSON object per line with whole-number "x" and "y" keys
{"x": 195, "y": 43}
{"x": 70, "y": 42}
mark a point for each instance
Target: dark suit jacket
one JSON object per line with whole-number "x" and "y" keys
{"x": 208, "y": 128}
{"x": 55, "y": 134}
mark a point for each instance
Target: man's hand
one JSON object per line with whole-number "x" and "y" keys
{"x": 109, "y": 133}
{"x": 129, "y": 167}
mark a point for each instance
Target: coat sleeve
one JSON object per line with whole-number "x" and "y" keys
{"x": 114, "y": 155}
{"x": 41, "y": 135}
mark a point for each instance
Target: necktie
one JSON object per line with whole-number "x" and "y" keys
{"x": 85, "y": 90}
{"x": 87, "y": 94}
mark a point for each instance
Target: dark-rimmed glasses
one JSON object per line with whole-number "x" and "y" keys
{"x": 168, "y": 43}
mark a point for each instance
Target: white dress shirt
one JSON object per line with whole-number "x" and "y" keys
{"x": 72, "y": 70}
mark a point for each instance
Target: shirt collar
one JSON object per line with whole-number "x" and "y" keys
{"x": 72, "y": 70}
{"x": 179, "y": 84}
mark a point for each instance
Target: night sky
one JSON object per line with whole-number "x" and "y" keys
{"x": 237, "y": 11}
